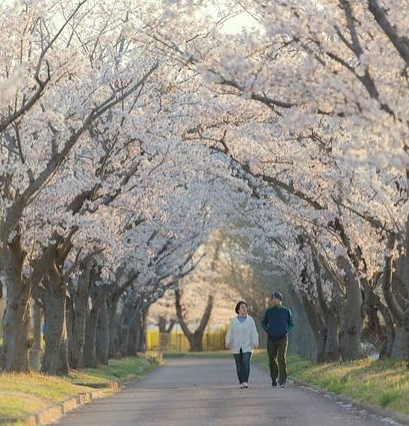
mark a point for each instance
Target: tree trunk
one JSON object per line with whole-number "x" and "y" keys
{"x": 16, "y": 317}
{"x": 195, "y": 338}
{"x": 55, "y": 360}
{"x": 407, "y": 335}
{"x": 103, "y": 336}
{"x": 318, "y": 331}
{"x": 397, "y": 313}
{"x": 98, "y": 298}
{"x": 196, "y": 342}
{"x": 351, "y": 316}
{"x": 114, "y": 329}
{"x": 386, "y": 349}
{"x": 406, "y": 285}
{"x": 79, "y": 298}
{"x": 138, "y": 332}
{"x": 90, "y": 355}
{"x": 37, "y": 323}
{"x": 129, "y": 312}
{"x": 373, "y": 331}
{"x": 329, "y": 314}
{"x": 35, "y": 362}
{"x": 332, "y": 349}
{"x": 399, "y": 349}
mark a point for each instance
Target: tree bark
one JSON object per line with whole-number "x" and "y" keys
{"x": 17, "y": 316}
{"x": 103, "y": 336}
{"x": 55, "y": 360}
{"x": 35, "y": 352}
{"x": 329, "y": 314}
{"x": 138, "y": 332}
{"x": 397, "y": 312}
{"x": 98, "y": 299}
{"x": 387, "y": 346}
{"x": 90, "y": 354}
{"x": 351, "y": 316}
{"x": 79, "y": 302}
{"x": 114, "y": 332}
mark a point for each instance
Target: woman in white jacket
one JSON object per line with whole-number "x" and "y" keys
{"x": 241, "y": 339}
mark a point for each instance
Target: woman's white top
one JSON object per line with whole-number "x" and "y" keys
{"x": 242, "y": 335}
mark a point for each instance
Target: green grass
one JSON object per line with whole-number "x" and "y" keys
{"x": 117, "y": 369}
{"x": 381, "y": 383}
{"x": 22, "y": 394}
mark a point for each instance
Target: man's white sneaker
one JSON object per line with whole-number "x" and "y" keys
{"x": 245, "y": 385}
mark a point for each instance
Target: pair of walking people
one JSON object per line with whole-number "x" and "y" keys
{"x": 242, "y": 338}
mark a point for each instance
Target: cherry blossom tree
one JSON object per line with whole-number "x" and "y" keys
{"x": 37, "y": 137}
{"x": 315, "y": 123}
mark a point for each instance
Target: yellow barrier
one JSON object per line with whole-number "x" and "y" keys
{"x": 178, "y": 342}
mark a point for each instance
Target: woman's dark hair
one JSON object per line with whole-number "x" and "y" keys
{"x": 242, "y": 302}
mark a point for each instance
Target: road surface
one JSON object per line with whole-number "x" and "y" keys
{"x": 205, "y": 392}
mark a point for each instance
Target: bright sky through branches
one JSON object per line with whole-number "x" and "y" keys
{"x": 239, "y": 22}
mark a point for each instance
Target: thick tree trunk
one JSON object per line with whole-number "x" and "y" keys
{"x": 90, "y": 355}
{"x": 37, "y": 323}
{"x": 397, "y": 312}
{"x": 79, "y": 298}
{"x": 332, "y": 349}
{"x": 17, "y": 316}
{"x": 317, "y": 326}
{"x": 351, "y": 315}
{"x": 399, "y": 349}
{"x": 407, "y": 335}
{"x": 128, "y": 314}
{"x": 98, "y": 298}
{"x": 373, "y": 332}
{"x": 35, "y": 351}
{"x": 196, "y": 342}
{"x": 55, "y": 359}
{"x": 103, "y": 336}
{"x": 404, "y": 292}
{"x": 386, "y": 349}
{"x": 114, "y": 329}
{"x": 327, "y": 319}
{"x": 138, "y": 333}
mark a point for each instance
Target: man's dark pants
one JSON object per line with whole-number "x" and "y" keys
{"x": 277, "y": 357}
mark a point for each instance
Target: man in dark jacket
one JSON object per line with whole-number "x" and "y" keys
{"x": 277, "y": 321}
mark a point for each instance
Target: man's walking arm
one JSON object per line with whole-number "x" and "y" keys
{"x": 264, "y": 322}
{"x": 290, "y": 321}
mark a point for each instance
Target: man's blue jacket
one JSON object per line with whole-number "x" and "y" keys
{"x": 277, "y": 321}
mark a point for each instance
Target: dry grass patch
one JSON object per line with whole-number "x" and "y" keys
{"x": 24, "y": 393}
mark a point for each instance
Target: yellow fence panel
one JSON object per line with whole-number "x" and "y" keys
{"x": 178, "y": 342}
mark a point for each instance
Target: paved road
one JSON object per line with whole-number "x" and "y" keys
{"x": 197, "y": 392}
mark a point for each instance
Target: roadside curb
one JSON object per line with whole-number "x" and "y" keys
{"x": 401, "y": 418}
{"x": 55, "y": 411}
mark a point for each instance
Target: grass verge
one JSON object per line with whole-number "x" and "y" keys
{"x": 24, "y": 393}
{"x": 381, "y": 383}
